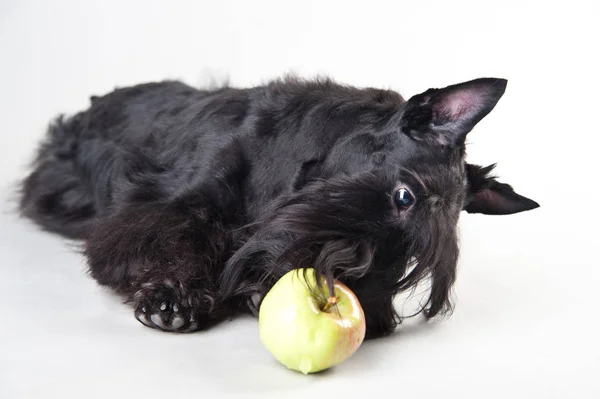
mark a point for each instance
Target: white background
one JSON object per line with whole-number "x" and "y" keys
{"x": 526, "y": 323}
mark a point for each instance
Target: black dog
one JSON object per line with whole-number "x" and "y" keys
{"x": 193, "y": 203}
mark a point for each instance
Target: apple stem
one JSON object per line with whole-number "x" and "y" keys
{"x": 332, "y": 300}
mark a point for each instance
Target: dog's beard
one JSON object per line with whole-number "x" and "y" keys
{"x": 435, "y": 250}
{"x": 336, "y": 227}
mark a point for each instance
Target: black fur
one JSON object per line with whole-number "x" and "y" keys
{"x": 193, "y": 203}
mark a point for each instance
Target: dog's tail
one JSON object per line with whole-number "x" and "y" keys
{"x": 57, "y": 194}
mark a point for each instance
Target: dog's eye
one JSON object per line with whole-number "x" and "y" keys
{"x": 403, "y": 198}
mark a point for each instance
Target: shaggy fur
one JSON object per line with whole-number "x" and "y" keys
{"x": 193, "y": 203}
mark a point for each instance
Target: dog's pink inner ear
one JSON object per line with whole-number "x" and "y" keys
{"x": 488, "y": 197}
{"x": 499, "y": 199}
{"x": 455, "y": 106}
{"x": 494, "y": 202}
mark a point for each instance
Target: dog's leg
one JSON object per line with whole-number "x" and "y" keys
{"x": 381, "y": 317}
{"x": 164, "y": 258}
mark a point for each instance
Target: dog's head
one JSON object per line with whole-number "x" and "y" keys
{"x": 380, "y": 212}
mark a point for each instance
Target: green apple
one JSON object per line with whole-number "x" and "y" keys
{"x": 306, "y": 329}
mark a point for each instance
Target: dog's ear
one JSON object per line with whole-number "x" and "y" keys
{"x": 446, "y": 115}
{"x": 488, "y": 196}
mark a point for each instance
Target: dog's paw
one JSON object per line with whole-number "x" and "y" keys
{"x": 165, "y": 305}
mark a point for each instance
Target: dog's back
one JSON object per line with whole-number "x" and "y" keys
{"x": 165, "y": 135}
{"x": 83, "y": 156}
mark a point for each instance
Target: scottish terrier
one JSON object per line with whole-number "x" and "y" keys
{"x": 192, "y": 203}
